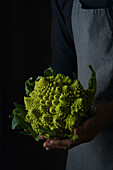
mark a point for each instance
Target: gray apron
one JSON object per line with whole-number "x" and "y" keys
{"x": 93, "y": 38}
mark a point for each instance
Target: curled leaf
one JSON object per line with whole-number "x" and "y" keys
{"x": 49, "y": 72}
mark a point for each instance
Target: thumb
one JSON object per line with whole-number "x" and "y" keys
{"x": 86, "y": 126}
{"x": 79, "y": 130}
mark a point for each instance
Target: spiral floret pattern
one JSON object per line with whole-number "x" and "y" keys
{"x": 58, "y": 103}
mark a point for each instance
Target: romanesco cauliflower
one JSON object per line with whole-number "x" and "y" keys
{"x": 59, "y": 104}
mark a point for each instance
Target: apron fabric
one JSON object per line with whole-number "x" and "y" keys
{"x": 93, "y": 39}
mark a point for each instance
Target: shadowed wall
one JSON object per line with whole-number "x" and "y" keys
{"x": 27, "y": 54}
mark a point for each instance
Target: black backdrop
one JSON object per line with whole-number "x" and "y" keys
{"x": 25, "y": 52}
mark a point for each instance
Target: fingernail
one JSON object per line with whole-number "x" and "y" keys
{"x": 51, "y": 142}
{"x": 77, "y": 131}
{"x": 42, "y": 137}
{"x": 47, "y": 148}
{"x": 48, "y": 140}
{"x": 44, "y": 145}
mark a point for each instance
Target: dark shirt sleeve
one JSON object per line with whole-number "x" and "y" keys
{"x": 63, "y": 57}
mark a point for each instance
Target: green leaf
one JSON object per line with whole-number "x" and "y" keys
{"x": 74, "y": 76}
{"x": 18, "y": 114}
{"x": 18, "y": 120}
{"x": 48, "y": 136}
{"x": 38, "y": 78}
{"x": 22, "y": 123}
{"x": 25, "y": 133}
{"x": 49, "y": 72}
{"x": 19, "y": 117}
{"x": 32, "y": 132}
{"x": 17, "y": 111}
{"x": 75, "y": 136}
{"x": 11, "y": 116}
{"x": 93, "y": 111}
{"x": 29, "y": 85}
{"x": 51, "y": 133}
{"x": 19, "y": 106}
{"x": 14, "y": 122}
{"x": 92, "y": 79}
{"x": 37, "y": 138}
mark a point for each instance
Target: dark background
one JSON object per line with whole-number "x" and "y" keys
{"x": 25, "y": 52}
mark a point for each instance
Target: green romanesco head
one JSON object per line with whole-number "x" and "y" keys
{"x": 57, "y": 103}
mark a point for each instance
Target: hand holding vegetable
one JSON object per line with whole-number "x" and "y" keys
{"x": 87, "y": 131}
{"x": 54, "y": 105}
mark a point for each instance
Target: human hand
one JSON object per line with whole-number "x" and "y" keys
{"x": 86, "y": 132}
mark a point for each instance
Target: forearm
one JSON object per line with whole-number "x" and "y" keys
{"x": 110, "y": 112}
{"x": 105, "y": 112}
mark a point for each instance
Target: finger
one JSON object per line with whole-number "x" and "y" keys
{"x": 42, "y": 137}
{"x": 61, "y": 142}
{"x": 56, "y": 147}
{"x": 79, "y": 131}
{"x": 47, "y": 143}
{"x": 68, "y": 145}
{"x": 51, "y": 144}
{"x": 64, "y": 147}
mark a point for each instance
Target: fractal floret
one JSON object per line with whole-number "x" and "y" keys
{"x": 55, "y": 104}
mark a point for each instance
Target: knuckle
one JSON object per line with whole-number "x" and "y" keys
{"x": 70, "y": 146}
{"x": 65, "y": 148}
{"x": 61, "y": 142}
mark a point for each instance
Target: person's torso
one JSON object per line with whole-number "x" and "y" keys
{"x": 93, "y": 38}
